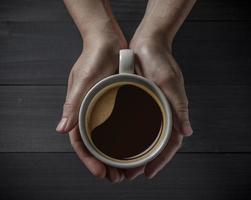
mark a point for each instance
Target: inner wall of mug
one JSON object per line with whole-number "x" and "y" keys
{"x": 118, "y": 85}
{"x": 103, "y": 87}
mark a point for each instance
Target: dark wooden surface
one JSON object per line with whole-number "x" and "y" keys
{"x": 220, "y": 117}
{"x": 188, "y": 176}
{"x": 38, "y": 45}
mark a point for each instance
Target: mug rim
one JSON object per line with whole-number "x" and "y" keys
{"x": 109, "y": 81}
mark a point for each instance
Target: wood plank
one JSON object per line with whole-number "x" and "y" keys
{"x": 223, "y": 10}
{"x": 54, "y": 10}
{"x": 43, "y": 53}
{"x": 62, "y": 176}
{"x": 219, "y": 114}
{"x": 29, "y": 116}
{"x": 204, "y": 10}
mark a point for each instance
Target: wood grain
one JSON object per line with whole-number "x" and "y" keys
{"x": 54, "y": 10}
{"x": 219, "y": 114}
{"x": 62, "y": 176}
{"x": 43, "y": 53}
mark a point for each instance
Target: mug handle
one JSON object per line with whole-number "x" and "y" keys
{"x": 126, "y": 61}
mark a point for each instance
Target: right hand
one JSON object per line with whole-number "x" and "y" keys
{"x": 98, "y": 60}
{"x": 103, "y": 39}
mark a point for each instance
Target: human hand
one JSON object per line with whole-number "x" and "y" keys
{"x": 102, "y": 40}
{"x": 152, "y": 44}
{"x": 156, "y": 62}
{"x": 98, "y": 60}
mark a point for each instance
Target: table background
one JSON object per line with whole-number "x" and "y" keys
{"x": 38, "y": 45}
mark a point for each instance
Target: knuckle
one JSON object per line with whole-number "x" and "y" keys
{"x": 68, "y": 108}
{"x": 87, "y": 75}
{"x": 173, "y": 78}
{"x": 168, "y": 79}
{"x": 182, "y": 107}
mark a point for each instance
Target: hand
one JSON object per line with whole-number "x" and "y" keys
{"x": 156, "y": 62}
{"x": 152, "y": 44}
{"x": 98, "y": 60}
{"x": 103, "y": 39}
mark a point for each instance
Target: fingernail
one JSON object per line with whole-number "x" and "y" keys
{"x": 135, "y": 175}
{"x": 150, "y": 176}
{"x": 122, "y": 176}
{"x": 132, "y": 177}
{"x": 61, "y": 125}
{"x": 187, "y": 129}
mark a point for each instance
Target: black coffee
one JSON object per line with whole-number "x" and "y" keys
{"x": 133, "y": 125}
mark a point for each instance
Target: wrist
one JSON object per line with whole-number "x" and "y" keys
{"x": 94, "y": 27}
{"x": 145, "y": 36}
{"x": 106, "y": 43}
{"x": 104, "y": 32}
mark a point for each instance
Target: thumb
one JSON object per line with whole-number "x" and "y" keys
{"x": 75, "y": 93}
{"x": 70, "y": 112}
{"x": 77, "y": 89}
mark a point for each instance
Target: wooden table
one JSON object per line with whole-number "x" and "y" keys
{"x": 38, "y": 45}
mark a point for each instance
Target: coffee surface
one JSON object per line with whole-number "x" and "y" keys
{"x": 132, "y": 127}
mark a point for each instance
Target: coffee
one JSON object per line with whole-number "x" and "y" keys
{"x": 124, "y": 121}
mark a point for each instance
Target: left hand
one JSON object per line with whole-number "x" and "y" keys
{"x": 156, "y": 62}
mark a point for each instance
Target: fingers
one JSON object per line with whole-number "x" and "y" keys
{"x": 170, "y": 80}
{"x": 161, "y": 67}
{"x": 176, "y": 94}
{"x": 153, "y": 167}
{"x": 131, "y": 174}
{"x": 122, "y": 174}
{"x": 178, "y": 98}
{"x": 114, "y": 175}
{"x": 71, "y": 106}
{"x": 85, "y": 73}
{"x": 96, "y": 167}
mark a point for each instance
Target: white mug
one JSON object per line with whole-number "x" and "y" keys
{"x": 126, "y": 76}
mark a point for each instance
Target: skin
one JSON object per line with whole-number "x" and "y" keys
{"x": 152, "y": 44}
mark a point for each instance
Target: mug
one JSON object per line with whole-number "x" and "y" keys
{"x": 93, "y": 114}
